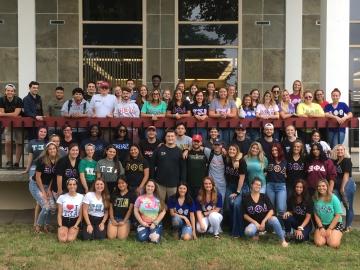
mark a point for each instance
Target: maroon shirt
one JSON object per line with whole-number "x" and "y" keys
{"x": 317, "y": 169}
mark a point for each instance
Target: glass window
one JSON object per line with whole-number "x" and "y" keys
{"x": 112, "y": 34}
{"x": 112, "y": 10}
{"x": 204, "y": 65}
{"x": 114, "y": 65}
{"x": 355, "y": 34}
{"x": 208, "y": 10}
{"x": 354, "y": 10}
{"x": 208, "y": 34}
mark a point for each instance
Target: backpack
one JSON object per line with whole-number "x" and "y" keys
{"x": 70, "y": 103}
{"x": 211, "y": 156}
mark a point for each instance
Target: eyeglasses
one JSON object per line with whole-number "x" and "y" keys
{"x": 308, "y": 97}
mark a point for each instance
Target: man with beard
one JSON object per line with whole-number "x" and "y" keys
{"x": 268, "y": 140}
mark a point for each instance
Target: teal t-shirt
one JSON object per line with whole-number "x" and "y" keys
{"x": 148, "y": 108}
{"x": 88, "y": 168}
{"x": 327, "y": 210}
{"x": 255, "y": 169}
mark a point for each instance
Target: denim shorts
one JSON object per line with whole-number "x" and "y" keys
{"x": 186, "y": 230}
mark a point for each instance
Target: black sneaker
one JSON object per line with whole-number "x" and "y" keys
{"x": 16, "y": 166}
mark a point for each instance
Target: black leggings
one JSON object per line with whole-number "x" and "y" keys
{"x": 68, "y": 222}
{"x": 96, "y": 234}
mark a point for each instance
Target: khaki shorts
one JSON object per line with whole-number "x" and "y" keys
{"x": 17, "y": 136}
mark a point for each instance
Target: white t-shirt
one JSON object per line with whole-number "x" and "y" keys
{"x": 96, "y": 207}
{"x": 101, "y": 106}
{"x": 70, "y": 204}
{"x": 126, "y": 109}
{"x": 262, "y": 110}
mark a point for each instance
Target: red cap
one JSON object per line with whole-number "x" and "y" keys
{"x": 104, "y": 85}
{"x": 197, "y": 137}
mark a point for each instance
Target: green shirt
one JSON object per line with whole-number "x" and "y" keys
{"x": 54, "y": 107}
{"x": 88, "y": 168}
{"x": 326, "y": 211}
{"x": 148, "y": 108}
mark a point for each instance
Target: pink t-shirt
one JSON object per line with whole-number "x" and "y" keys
{"x": 271, "y": 110}
{"x": 149, "y": 207}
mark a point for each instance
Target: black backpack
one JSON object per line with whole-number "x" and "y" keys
{"x": 211, "y": 156}
{"x": 70, "y": 103}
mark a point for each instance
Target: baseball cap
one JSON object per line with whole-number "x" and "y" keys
{"x": 197, "y": 137}
{"x": 217, "y": 142}
{"x": 240, "y": 127}
{"x": 151, "y": 127}
{"x": 269, "y": 125}
{"x": 104, "y": 85}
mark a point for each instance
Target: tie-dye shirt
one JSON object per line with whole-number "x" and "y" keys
{"x": 149, "y": 208}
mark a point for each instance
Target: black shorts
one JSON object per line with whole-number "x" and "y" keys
{"x": 68, "y": 222}
{"x": 339, "y": 227}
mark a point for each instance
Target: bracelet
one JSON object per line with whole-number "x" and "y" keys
{"x": 238, "y": 192}
{"x": 300, "y": 228}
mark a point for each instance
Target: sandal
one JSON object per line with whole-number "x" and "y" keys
{"x": 37, "y": 229}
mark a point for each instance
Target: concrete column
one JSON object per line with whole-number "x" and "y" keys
{"x": 293, "y": 42}
{"x": 27, "y": 44}
{"x": 334, "y": 47}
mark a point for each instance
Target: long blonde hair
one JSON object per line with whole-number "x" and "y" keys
{"x": 44, "y": 156}
{"x": 301, "y": 87}
{"x": 261, "y": 157}
{"x": 328, "y": 195}
{"x": 333, "y": 154}
{"x": 104, "y": 194}
{"x": 284, "y": 105}
{"x": 236, "y": 160}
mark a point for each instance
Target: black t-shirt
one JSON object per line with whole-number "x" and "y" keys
{"x": 147, "y": 149}
{"x": 286, "y": 145}
{"x": 47, "y": 173}
{"x": 196, "y": 167}
{"x": 100, "y": 146}
{"x": 295, "y": 169}
{"x": 199, "y": 110}
{"x": 66, "y": 170}
{"x": 276, "y": 172}
{"x": 345, "y": 166}
{"x": 243, "y": 145}
{"x": 231, "y": 174}
{"x": 299, "y": 210}
{"x": 121, "y": 203}
{"x": 134, "y": 171}
{"x": 257, "y": 210}
{"x": 64, "y": 145}
{"x": 10, "y": 106}
{"x": 267, "y": 146}
{"x": 182, "y": 109}
{"x": 123, "y": 148}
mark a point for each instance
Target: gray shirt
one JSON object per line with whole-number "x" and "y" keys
{"x": 216, "y": 168}
{"x": 108, "y": 171}
{"x": 184, "y": 142}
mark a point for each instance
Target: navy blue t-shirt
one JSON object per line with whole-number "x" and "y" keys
{"x": 123, "y": 148}
{"x": 100, "y": 146}
{"x": 183, "y": 210}
{"x": 276, "y": 172}
{"x": 209, "y": 205}
{"x": 199, "y": 110}
{"x": 340, "y": 110}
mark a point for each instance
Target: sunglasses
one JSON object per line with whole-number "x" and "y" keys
{"x": 308, "y": 97}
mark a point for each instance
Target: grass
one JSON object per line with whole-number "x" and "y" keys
{"x": 22, "y": 249}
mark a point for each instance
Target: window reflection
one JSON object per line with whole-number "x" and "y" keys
{"x": 208, "y": 34}
{"x": 112, "y": 10}
{"x": 355, "y": 34}
{"x": 354, "y": 10}
{"x": 208, "y": 10}
{"x": 204, "y": 65}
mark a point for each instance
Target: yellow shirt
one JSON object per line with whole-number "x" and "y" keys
{"x": 312, "y": 109}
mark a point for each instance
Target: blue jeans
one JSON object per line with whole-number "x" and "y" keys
{"x": 350, "y": 190}
{"x": 291, "y": 223}
{"x": 335, "y": 137}
{"x": 272, "y": 223}
{"x": 43, "y": 218}
{"x": 180, "y": 225}
{"x": 236, "y": 214}
{"x": 277, "y": 195}
{"x": 147, "y": 234}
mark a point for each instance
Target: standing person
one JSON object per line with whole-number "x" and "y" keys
{"x": 136, "y": 170}
{"x": 179, "y": 107}
{"x": 345, "y": 186}
{"x": 316, "y": 138}
{"x": 149, "y": 211}
{"x": 67, "y": 138}
{"x": 90, "y": 91}
{"x": 213, "y": 136}
{"x": 256, "y": 164}
{"x": 69, "y": 212}
{"x": 142, "y": 97}
{"x": 11, "y": 105}
{"x": 182, "y": 141}
{"x": 299, "y": 211}
{"x": 148, "y": 145}
{"x": 296, "y": 162}
{"x": 248, "y": 111}
{"x": 276, "y": 180}
{"x": 268, "y": 110}
{"x": 182, "y": 212}
{"x": 109, "y": 168}
{"x": 319, "y": 98}
{"x": 199, "y": 109}
{"x": 327, "y": 214}
{"x": 66, "y": 168}
{"x": 208, "y": 207}
{"x": 241, "y": 140}
{"x": 87, "y": 167}
{"x": 122, "y": 143}
{"x": 55, "y": 138}
{"x": 286, "y": 108}
{"x": 33, "y": 107}
{"x": 168, "y": 165}
{"x": 96, "y": 205}
{"x": 223, "y": 108}
{"x": 121, "y": 208}
{"x": 117, "y": 93}
{"x": 155, "y": 108}
{"x": 340, "y": 112}
{"x": 156, "y": 81}
{"x": 126, "y": 108}
{"x": 40, "y": 185}
{"x": 130, "y": 83}
{"x": 255, "y": 97}
{"x": 297, "y": 94}
{"x": 276, "y": 94}
{"x": 289, "y": 139}
{"x": 233, "y": 95}
{"x": 180, "y": 86}
{"x": 103, "y": 104}
{"x": 191, "y": 96}
{"x": 268, "y": 139}
{"x": 259, "y": 213}
{"x": 94, "y": 138}
{"x": 235, "y": 170}
{"x": 216, "y": 166}
{"x": 54, "y": 105}
{"x": 166, "y": 96}
{"x": 210, "y": 92}
{"x": 196, "y": 166}
{"x": 308, "y": 109}
{"x": 319, "y": 166}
